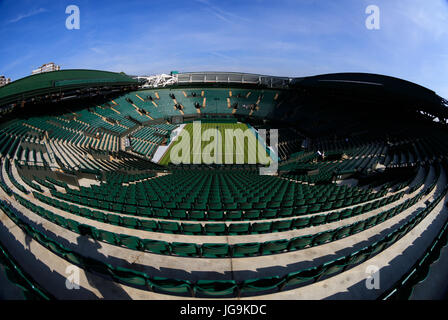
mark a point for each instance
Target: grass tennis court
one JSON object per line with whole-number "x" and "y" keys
{"x": 225, "y": 143}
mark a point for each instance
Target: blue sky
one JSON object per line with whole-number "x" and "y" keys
{"x": 282, "y": 37}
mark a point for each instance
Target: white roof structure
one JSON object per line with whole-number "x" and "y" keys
{"x": 159, "y": 80}
{"x": 162, "y": 80}
{"x": 48, "y": 67}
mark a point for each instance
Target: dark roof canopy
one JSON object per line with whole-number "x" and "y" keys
{"x": 371, "y": 90}
{"x": 59, "y": 81}
{"x": 377, "y": 89}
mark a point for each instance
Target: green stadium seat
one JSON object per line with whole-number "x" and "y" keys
{"x": 170, "y": 205}
{"x": 333, "y": 216}
{"x": 238, "y": 228}
{"x": 214, "y": 206}
{"x": 214, "y": 250}
{"x": 333, "y": 267}
{"x": 130, "y": 222}
{"x": 322, "y": 238}
{"x": 215, "y": 228}
{"x": 108, "y": 237}
{"x": 262, "y": 284}
{"x": 200, "y": 206}
{"x": 303, "y": 276}
{"x": 161, "y": 213}
{"x": 358, "y": 227}
{"x": 114, "y": 219}
{"x": 317, "y": 220}
{"x": 358, "y": 257}
{"x": 268, "y": 214}
{"x": 215, "y": 215}
{"x": 245, "y": 206}
{"x": 99, "y": 216}
{"x": 245, "y": 249}
{"x": 259, "y": 205}
{"x": 184, "y": 249}
{"x": 184, "y": 206}
{"x": 282, "y": 225}
{"x": 275, "y": 246}
{"x": 148, "y": 225}
{"x": 357, "y": 210}
{"x": 61, "y": 221}
{"x": 129, "y": 277}
{"x": 301, "y": 211}
{"x": 147, "y": 212}
{"x": 197, "y": 215}
{"x": 230, "y": 206}
{"x": 342, "y": 232}
{"x": 179, "y": 214}
{"x": 285, "y": 212}
{"x": 377, "y": 247}
{"x": 261, "y": 227}
{"x": 234, "y": 215}
{"x": 130, "y": 242}
{"x": 251, "y": 214}
{"x": 299, "y": 243}
{"x": 300, "y": 223}
{"x": 346, "y": 214}
{"x": 216, "y": 288}
{"x": 73, "y": 225}
{"x": 75, "y": 259}
{"x": 170, "y": 286}
{"x": 371, "y": 222}
{"x": 192, "y": 228}
{"x": 169, "y": 226}
{"x": 156, "y": 246}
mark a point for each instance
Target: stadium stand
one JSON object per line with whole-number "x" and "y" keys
{"x": 81, "y": 186}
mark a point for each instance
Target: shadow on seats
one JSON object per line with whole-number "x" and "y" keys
{"x": 107, "y": 287}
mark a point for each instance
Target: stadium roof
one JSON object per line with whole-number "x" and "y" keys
{"x": 358, "y": 87}
{"x": 376, "y": 88}
{"x": 232, "y": 77}
{"x": 57, "y": 81}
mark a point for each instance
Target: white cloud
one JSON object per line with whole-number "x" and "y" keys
{"x": 97, "y": 50}
{"x": 26, "y": 15}
{"x": 430, "y": 17}
{"x": 224, "y": 15}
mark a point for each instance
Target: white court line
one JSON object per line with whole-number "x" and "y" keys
{"x": 160, "y": 152}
